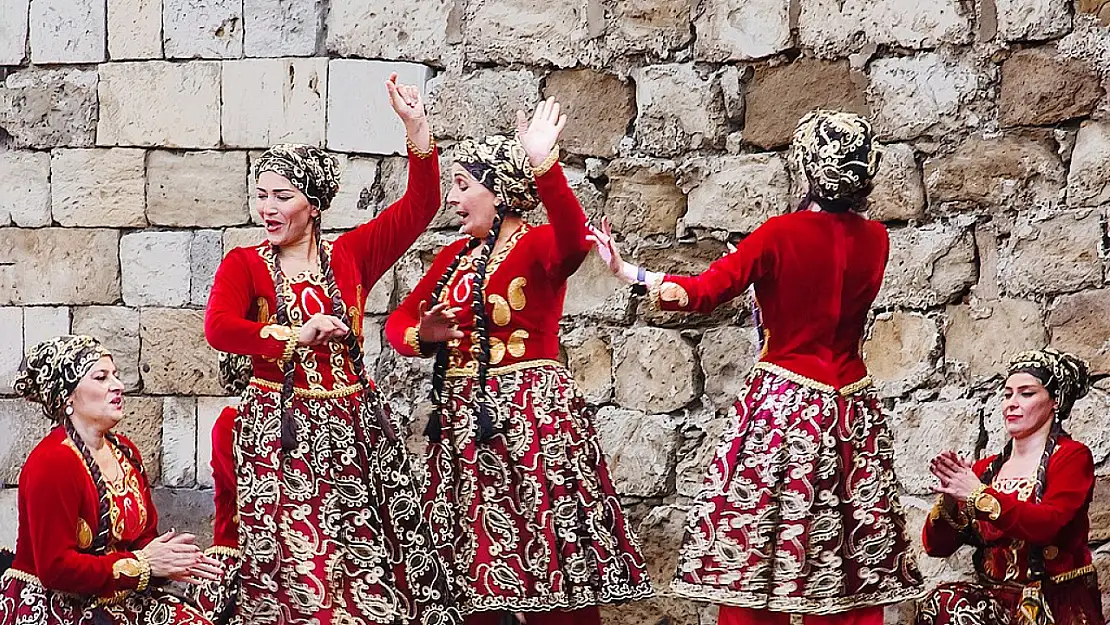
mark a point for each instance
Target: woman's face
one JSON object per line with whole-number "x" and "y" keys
{"x": 285, "y": 211}
{"x": 1027, "y": 406}
{"x": 475, "y": 204}
{"x": 98, "y": 399}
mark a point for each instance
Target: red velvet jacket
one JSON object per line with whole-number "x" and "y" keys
{"x": 1058, "y": 524}
{"x": 59, "y": 513}
{"x": 526, "y": 282}
{"x": 815, "y": 274}
{"x": 225, "y": 525}
{"x": 241, "y": 307}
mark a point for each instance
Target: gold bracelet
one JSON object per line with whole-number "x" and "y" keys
{"x": 547, "y": 164}
{"x": 290, "y": 346}
{"x": 144, "y": 565}
{"x": 973, "y": 496}
{"x": 417, "y": 152}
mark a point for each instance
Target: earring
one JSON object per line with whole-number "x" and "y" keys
{"x": 69, "y": 410}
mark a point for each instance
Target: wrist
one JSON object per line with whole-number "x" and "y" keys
{"x": 630, "y": 273}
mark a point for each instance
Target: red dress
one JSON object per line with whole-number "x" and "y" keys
{"x": 1057, "y": 525}
{"x": 55, "y": 579}
{"x": 530, "y": 518}
{"x": 331, "y": 530}
{"x": 799, "y": 511}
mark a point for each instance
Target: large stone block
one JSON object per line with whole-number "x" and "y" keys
{"x": 179, "y": 441}
{"x": 9, "y": 516}
{"x": 186, "y": 510}
{"x": 13, "y": 32}
{"x": 158, "y": 103}
{"x": 653, "y": 27}
{"x": 1089, "y": 178}
{"x": 480, "y": 103}
{"x": 735, "y": 193}
{"x": 49, "y": 108}
{"x": 926, "y": 93}
{"x": 283, "y": 27}
{"x": 142, "y": 423}
{"x": 11, "y": 346}
{"x": 41, "y": 323}
{"x": 156, "y": 268}
{"x": 268, "y": 101}
{"x": 984, "y": 335}
{"x": 780, "y": 95}
{"x": 56, "y": 266}
{"x": 205, "y": 254}
{"x": 1087, "y": 423}
{"x": 591, "y": 362}
{"x": 594, "y": 292}
{"x": 68, "y": 31}
{"x": 134, "y": 29}
{"x": 404, "y": 31}
{"x": 205, "y": 29}
{"x": 99, "y": 188}
{"x": 687, "y": 258}
{"x": 360, "y": 118}
{"x": 644, "y": 197}
{"x": 356, "y": 203}
{"x": 242, "y": 237}
{"x": 679, "y": 109}
{"x": 1100, "y": 9}
{"x": 24, "y": 426}
{"x": 834, "y": 28}
{"x": 640, "y": 449}
{"x": 741, "y": 30}
{"x": 196, "y": 189}
{"x": 1032, "y": 20}
{"x": 118, "y": 328}
{"x": 176, "y": 360}
{"x": 923, "y": 430}
{"x": 727, "y": 355}
{"x": 1003, "y": 174}
{"x": 928, "y": 266}
{"x": 208, "y": 410}
{"x": 901, "y": 352}
{"x": 25, "y": 188}
{"x": 532, "y": 32}
{"x": 1079, "y": 324}
{"x": 657, "y": 370}
{"x": 600, "y": 107}
{"x": 1041, "y": 87}
{"x": 898, "y": 193}
{"x": 1059, "y": 254}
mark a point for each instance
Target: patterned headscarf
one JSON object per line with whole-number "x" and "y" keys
{"x": 52, "y": 369}
{"x": 1066, "y": 377}
{"x": 313, "y": 171}
{"x": 235, "y": 372}
{"x": 501, "y": 165}
{"x": 836, "y": 151}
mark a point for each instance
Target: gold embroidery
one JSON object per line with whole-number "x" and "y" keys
{"x": 671, "y": 292}
{"x": 221, "y": 551}
{"x": 516, "y": 293}
{"x": 14, "y": 573}
{"x": 471, "y": 368}
{"x": 84, "y": 534}
{"x": 501, "y": 313}
{"x": 127, "y": 567}
{"x": 516, "y": 343}
{"x": 281, "y": 333}
{"x": 498, "y": 258}
{"x": 862, "y": 384}
{"x": 412, "y": 338}
{"x": 263, "y": 310}
{"x": 1073, "y": 574}
{"x": 356, "y": 320}
{"x": 335, "y": 393}
{"x": 496, "y": 350}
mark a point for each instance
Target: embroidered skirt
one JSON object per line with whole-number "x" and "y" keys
{"x": 24, "y": 601}
{"x": 530, "y": 518}
{"x": 799, "y": 511}
{"x": 332, "y": 532}
{"x": 1074, "y": 602}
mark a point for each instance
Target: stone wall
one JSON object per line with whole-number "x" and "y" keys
{"x": 127, "y": 128}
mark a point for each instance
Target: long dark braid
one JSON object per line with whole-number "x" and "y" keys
{"x": 288, "y": 423}
{"x": 104, "y": 512}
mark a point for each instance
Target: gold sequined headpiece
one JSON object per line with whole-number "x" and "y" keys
{"x": 1066, "y": 377}
{"x": 312, "y": 170}
{"x": 51, "y": 370}
{"x": 836, "y": 151}
{"x": 501, "y": 165}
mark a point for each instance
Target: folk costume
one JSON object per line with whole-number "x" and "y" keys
{"x": 77, "y": 559}
{"x": 799, "y": 511}
{"x": 520, "y": 496}
{"x": 330, "y": 526}
{"x": 1030, "y": 533}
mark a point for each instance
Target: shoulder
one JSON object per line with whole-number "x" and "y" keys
{"x": 1070, "y": 450}
{"x": 52, "y": 456}
{"x": 980, "y": 466}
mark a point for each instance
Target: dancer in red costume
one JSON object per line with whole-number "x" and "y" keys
{"x": 799, "y": 512}
{"x": 520, "y": 496}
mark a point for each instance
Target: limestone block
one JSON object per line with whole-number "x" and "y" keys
{"x": 594, "y": 292}
{"x": 741, "y": 30}
{"x": 205, "y": 29}
{"x": 590, "y": 194}
{"x": 41, "y": 323}
{"x": 679, "y": 109}
{"x": 1100, "y": 9}
{"x": 68, "y": 31}
{"x": 1011, "y": 325}
{"x": 600, "y": 107}
{"x": 923, "y": 430}
{"x": 242, "y": 237}
{"x": 639, "y": 449}
{"x": 911, "y": 96}
{"x": 1005, "y": 173}
{"x": 928, "y": 266}
{"x": 24, "y": 426}
{"x": 155, "y": 268}
{"x": 208, "y": 410}
{"x": 531, "y": 32}
{"x": 134, "y": 29}
{"x": 656, "y": 370}
{"x": 1099, "y": 515}
{"x": 779, "y": 96}
{"x": 179, "y": 441}
{"x": 1087, "y": 423}
{"x": 196, "y": 189}
{"x": 665, "y": 607}
{"x": 378, "y": 300}
{"x": 699, "y": 449}
{"x": 1057, "y": 255}
{"x": 405, "y": 31}
{"x": 25, "y": 188}
{"x": 1079, "y": 324}
{"x": 898, "y": 192}
{"x": 55, "y": 266}
{"x": 205, "y": 254}
{"x": 11, "y": 346}
{"x": 48, "y": 108}
{"x": 13, "y": 34}
{"x": 1040, "y": 87}
{"x": 727, "y": 354}
{"x": 591, "y": 362}
{"x": 142, "y": 423}
{"x": 900, "y": 352}
{"x": 176, "y": 360}
{"x": 653, "y": 27}
{"x": 835, "y": 28}
{"x": 98, "y": 187}
{"x": 355, "y": 203}
{"x": 480, "y": 103}
{"x": 118, "y": 329}
{"x": 360, "y": 118}
{"x": 268, "y": 101}
{"x": 282, "y": 27}
{"x": 9, "y": 517}
{"x": 158, "y": 103}
{"x": 735, "y": 193}
{"x": 187, "y": 510}
{"x": 1032, "y": 20}
{"x": 1089, "y": 178}
{"x": 644, "y": 197}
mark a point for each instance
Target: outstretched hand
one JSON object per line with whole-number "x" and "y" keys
{"x": 606, "y": 248}
{"x": 438, "y": 324}
{"x": 540, "y": 135}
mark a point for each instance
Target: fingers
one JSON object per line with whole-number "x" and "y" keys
{"x": 392, "y": 78}
{"x": 165, "y": 538}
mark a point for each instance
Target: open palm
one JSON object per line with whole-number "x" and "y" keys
{"x": 539, "y": 136}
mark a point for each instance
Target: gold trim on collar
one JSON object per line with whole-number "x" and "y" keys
{"x": 335, "y": 393}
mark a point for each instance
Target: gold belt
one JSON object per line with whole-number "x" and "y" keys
{"x": 471, "y": 368}
{"x": 863, "y": 383}
{"x": 335, "y": 393}
{"x": 1066, "y": 576}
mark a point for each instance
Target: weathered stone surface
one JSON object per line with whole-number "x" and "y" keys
{"x": 1098, "y": 8}
{"x": 378, "y": 300}
{"x": 600, "y": 107}
{"x": 699, "y": 447}
{"x": 142, "y": 423}
{"x": 13, "y": 34}
{"x": 24, "y": 426}
{"x": 780, "y": 95}
{"x": 155, "y": 268}
{"x": 158, "y": 103}
{"x": 1079, "y": 324}
{"x": 97, "y": 187}
{"x": 644, "y": 197}
{"x": 911, "y": 96}
{"x": 1041, "y": 87}
{"x": 282, "y": 27}
{"x": 589, "y": 193}
{"x": 405, "y": 31}
{"x": 208, "y": 410}
{"x": 1055, "y": 255}
{"x": 11, "y": 346}
{"x": 480, "y": 103}
{"x": 524, "y": 31}
{"x": 735, "y": 193}
{"x": 207, "y": 29}
{"x": 835, "y": 28}
{"x": 1007, "y": 173}
{"x": 1009, "y": 326}
{"x": 928, "y": 266}
{"x": 640, "y": 449}
{"x": 196, "y": 189}
{"x": 183, "y": 508}
{"x": 594, "y": 292}
{"x": 591, "y": 362}
{"x": 242, "y": 237}
{"x": 205, "y": 254}
{"x": 655, "y": 27}
{"x": 687, "y": 259}
{"x": 923, "y": 430}
{"x": 901, "y": 352}
{"x": 355, "y": 204}
{"x": 71, "y": 276}
{"x": 176, "y": 360}
{"x": 118, "y": 328}
{"x": 41, "y": 323}
{"x": 727, "y": 355}
{"x": 679, "y": 109}
{"x": 898, "y": 193}
{"x": 656, "y": 370}
{"x": 67, "y": 31}
{"x": 134, "y": 29}
{"x": 665, "y": 607}
{"x": 1089, "y": 178}
{"x": 179, "y": 441}
{"x": 268, "y": 101}
{"x": 1032, "y": 20}
{"x": 25, "y": 188}
{"x": 9, "y": 516}
{"x": 741, "y": 30}
{"x": 48, "y": 108}
{"x": 360, "y": 118}
{"x": 1087, "y": 423}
